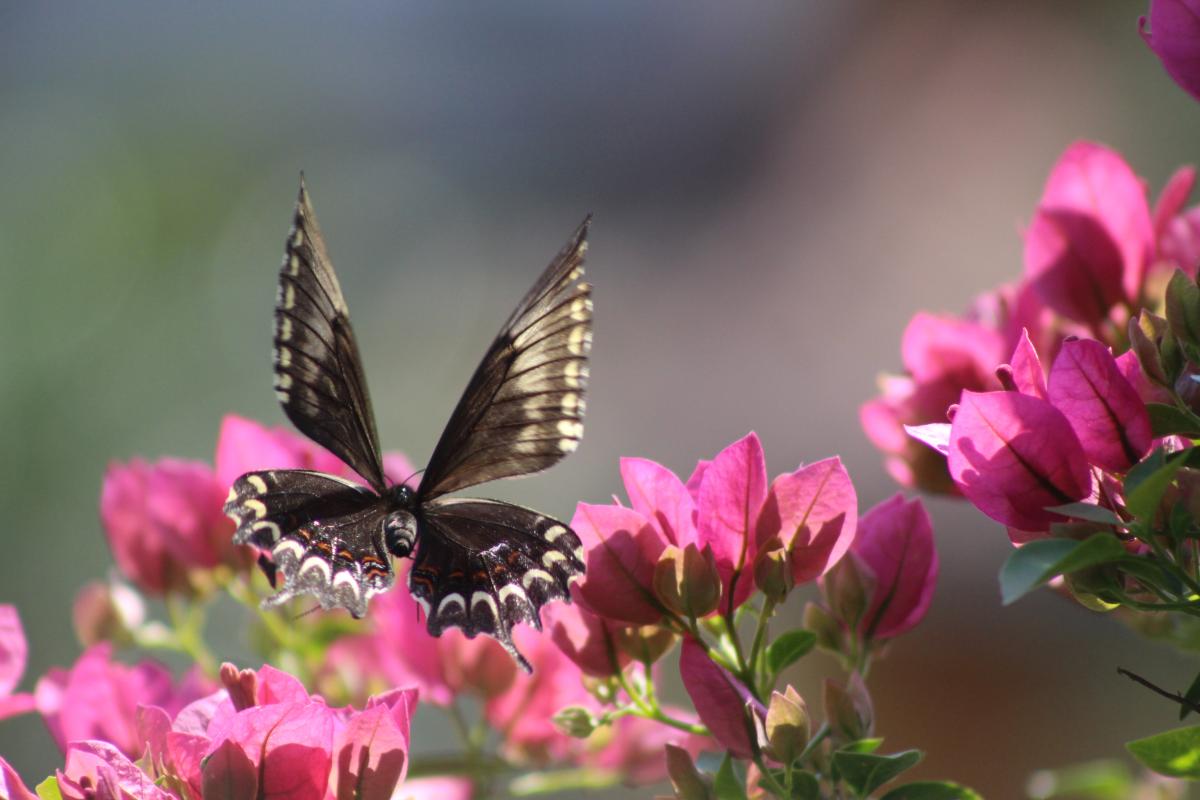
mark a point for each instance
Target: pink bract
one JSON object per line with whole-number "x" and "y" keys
{"x": 719, "y": 699}
{"x": 895, "y": 542}
{"x": 622, "y": 547}
{"x": 98, "y": 698}
{"x": 1103, "y": 409}
{"x": 97, "y": 769}
{"x": 732, "y": 493}
{"x": 11, "y": 785}
{"x": 1013, "y": 455}
{"x": 814, "y": 512}
{"x": 163, "y": 520}
{"x": 244, "y": 445}
{"x": 1173, "y": 33}
{"x": 13, "y": 652}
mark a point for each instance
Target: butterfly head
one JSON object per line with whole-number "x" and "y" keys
{"x": 400, "y": 526}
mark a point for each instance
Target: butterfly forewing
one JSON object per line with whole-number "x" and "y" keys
{"x": 318, "y": 372}
{"x": 523, "y": 408}
{"x": 484, "y": 566}
{"x": 324, "y": 534}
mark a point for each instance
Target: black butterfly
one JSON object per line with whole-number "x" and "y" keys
{"x": 480, "y": 565}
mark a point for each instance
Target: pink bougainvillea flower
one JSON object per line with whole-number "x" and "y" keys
{"x": 1074, "y": 265}
{"x": 164, "y": 520}
{"x": 244, "y": 445}
{"x": 13, "y": 652}
{"x": 371, "y": 750}
{"x": 731, "y": 497}
{"x": 96, "y": 770}
{"x": 585, "y": 638}
{"x": 622, "y": 548}
{"x": 1173, "y": 33}
{"x": 1091, "y": 182}
{"x": 658, "y": 495}
{"x": 289, "y": 744}
{"x": 1147, "y": 390}
{"x": 723, "y": 703}
{"x": 814, "y": 512}
{"x": 1013, "y": 456}
{"x": 11, "y": 785}
{"x": 895, "y": 542}
{"x": 943, "y": 356}
{"x": 1105, "y": 411}
{"x": 98, "y": 698}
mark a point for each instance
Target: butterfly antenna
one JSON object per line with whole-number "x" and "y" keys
{"x": 410, "y": 477}
{"x": 303, "y": 614}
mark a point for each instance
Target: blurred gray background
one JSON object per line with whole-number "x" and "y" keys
{"x": 775, "y": 193}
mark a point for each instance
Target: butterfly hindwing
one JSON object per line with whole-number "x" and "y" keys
{"x": 318, "y": 371}
{"x": 324, "y": 535}
{"x": 523, "y": 408}
{"x": 484, "y": 566}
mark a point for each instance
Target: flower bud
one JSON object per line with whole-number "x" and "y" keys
{"x": 829, "y": 633}
{"x": 788, "y": 727}
{"x": 1145, "y": 332}
{"x": 686, "y": 780}
{"x": 686, "y": 581}
{"x": 848, "y": 709}
{"x": 847, "y": 589}
{"x": 107, "y": 612}
{"x": 644, "y": 643}
{"x": 575, "y": 721}
{"x": 773, "y": 572}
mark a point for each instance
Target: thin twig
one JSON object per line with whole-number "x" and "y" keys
{"x": 1190, "y": 705}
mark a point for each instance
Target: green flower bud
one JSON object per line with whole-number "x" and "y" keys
{"x": 788, "y": 725}
{"x": 645, "y": 643}
{"x": 688, "y": 782}
{"x": 848, "y": 709}
{"x": 829, "y": 633}
{"x": 772, "y": 572}
{"x": 575, "y": 721}
{"x": 847, "y": 589}
{"x": 687, "y": 582}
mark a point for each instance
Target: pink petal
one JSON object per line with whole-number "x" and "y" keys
{"x": 657, "y": 494}
{"x": 187, "y": 752}
{"x": 244, "y": 445}
{"x": 719, "y": 699}
{"x": 1131, "y": 369}
{"x": 731, "y": 497}
{"x": 1093, "y": 180}
{"x": 290, "y": 745}
{"x": 895, "y": 541}
{"x": 814, "y": 511}
{"x": 17, "y": 704}
{"x": 277, "y": 686}
{"x": 935, "y": 435}
{"x": 1180, "y": 244}
{"x": 934, "y": 347}
{"x": 229, "y": 774}
{"x": 1103, "y": 409}
{"x": 13, "y": 649}
{"x": 11, "y": 785}
{"x": 1013, "y": 455}
{"x": 622, "y": 549}
{"x": 371, "y": 755}
{"x": 1174, "y": 36}
{"x": 1027, "y": 372}
{"x": 1173, "y": 198}
{"x": 94, "y": 759}
{"x": 585, "y": 638}
{"x": 1074, "y": 264}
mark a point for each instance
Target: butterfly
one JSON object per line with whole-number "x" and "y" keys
{"x": 479, "y": 565}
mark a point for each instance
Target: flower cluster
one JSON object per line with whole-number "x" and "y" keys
{"x": 705, "y": 562}
{"x": 1096, "y": 255}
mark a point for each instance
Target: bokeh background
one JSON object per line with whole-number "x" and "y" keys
{"x": 777, "y": 188}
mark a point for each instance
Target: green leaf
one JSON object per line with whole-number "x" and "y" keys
{"x": 1148, "y": 480}
{"x": 1092, "y": 780}
{"x": 1174, "y": 753}
{"x": 1183, "y": 311}
{"x": 1166, "y": 420}
{"x": 805, "y": 785}
{"x": 1192, "y": 695}
{"x": 932, "y": 790}
{"x": 1033, "y": 564}
{"x": 48, "y": 789}
{"x": 788, "y": 649}
{"x": 866, "y": 772}
{"x": 729, "y": 785}
{"x": 1089, "y": 512}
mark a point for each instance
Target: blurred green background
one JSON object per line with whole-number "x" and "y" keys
{"x": 776, "y": 191}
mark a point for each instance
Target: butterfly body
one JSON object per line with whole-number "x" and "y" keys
{"x": 479, "y": 565}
